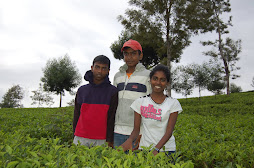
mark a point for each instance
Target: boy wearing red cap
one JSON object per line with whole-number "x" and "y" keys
{"x": 132, "y": 82}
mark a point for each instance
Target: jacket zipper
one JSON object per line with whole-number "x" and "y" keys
{"x": 125, "y": 83}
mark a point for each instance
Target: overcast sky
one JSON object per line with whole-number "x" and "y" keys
{"x": 32, "y": 32}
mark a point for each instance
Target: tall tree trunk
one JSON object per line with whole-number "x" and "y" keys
{"x": 199, "y": 91}
{"x": 60, "y": 99}
{"x": 223, "y": 57}
{"x": 168, "y": 43}
{"x": 169, "y": 67}
{"x": 227, "y": 72}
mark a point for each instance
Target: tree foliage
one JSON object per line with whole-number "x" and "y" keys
{"x": 60, "y": 75}
{"x": 13, "y": 97}
{"x": 200, "y": 75}
{"x": 252, "y": 84}
{"x": 234, "y": 88}
{"x": 40, "y": 97}
{"x": 165, "y": 27}
{"x": 182, "y": 81}
{"x": 216, "y": 82}
{"x": 71, "y": 102}
{"x": 228, "y": 50}
{"x": 206, "y": 76}
{"x": 150, "y": 49}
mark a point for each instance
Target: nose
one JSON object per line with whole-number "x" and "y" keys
{"x": 158, "y": 82}
{"x": 99, "y": 70}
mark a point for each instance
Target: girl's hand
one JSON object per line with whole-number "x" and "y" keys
{"x": 155, "y": 152}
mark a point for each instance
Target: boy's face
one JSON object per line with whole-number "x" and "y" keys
{"x": 100, "y": 71}
{"x": 132, "y": 57}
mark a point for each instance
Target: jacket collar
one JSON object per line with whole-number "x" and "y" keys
{"x": 139, "y": 67}
{"x": 89, "y": 77}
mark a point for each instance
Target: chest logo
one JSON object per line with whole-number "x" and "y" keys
{"x": 150, "y": 112}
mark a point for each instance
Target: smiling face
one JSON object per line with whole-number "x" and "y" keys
{"x": 100, "y": 71}
{"x": 158, "y": 82}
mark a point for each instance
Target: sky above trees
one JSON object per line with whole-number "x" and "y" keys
{"x": 32, "y": 32}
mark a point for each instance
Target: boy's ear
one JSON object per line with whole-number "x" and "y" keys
{"x": 141, "y": 56}
{"x": 92, "y": 68}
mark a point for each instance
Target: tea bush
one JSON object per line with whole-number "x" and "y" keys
{"x": 211, "y": 132}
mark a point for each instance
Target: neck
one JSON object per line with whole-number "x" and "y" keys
{"x": 130, "y": 70}
{"x": 158, "y": 97}
{"x": 97, "y": 82}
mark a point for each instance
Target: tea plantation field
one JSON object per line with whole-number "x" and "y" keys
{"x": 210, "y": 132}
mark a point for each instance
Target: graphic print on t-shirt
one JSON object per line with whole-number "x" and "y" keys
{"x": 150, "y": 112}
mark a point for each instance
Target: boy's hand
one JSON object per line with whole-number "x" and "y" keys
{"x": 127, "y": 145}
{"x": 110, "y": 144}
{"x": 136, "y": 143}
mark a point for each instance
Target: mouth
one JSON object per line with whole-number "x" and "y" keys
{"x": 98, "y": 76}
{"x": 157, "y": 87}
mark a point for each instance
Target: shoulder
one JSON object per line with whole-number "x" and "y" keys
{"x": 174, "y": 104}
{"x": 83, "y": 90}
{"x": 83, "y": 87}
{"x": 112, "y": 88}
{"x": 146, "y": 71}
{"x": 142, "y": 73}
{"x": 143, "y": 98}
{"x": 142, "y": 69}
{"x": 172, "y": 100}
{"x": 118, "y": 74}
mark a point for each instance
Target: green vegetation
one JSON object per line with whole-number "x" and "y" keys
{"x": 213, "y": 132}
{"x": 217, "y": 131}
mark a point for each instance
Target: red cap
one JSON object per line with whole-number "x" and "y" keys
{"x": 132, "y": 44}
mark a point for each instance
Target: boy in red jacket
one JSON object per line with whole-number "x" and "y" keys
{"x": 95, "y": 106}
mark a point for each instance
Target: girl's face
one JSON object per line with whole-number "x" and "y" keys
{"x": 158, "y": 82}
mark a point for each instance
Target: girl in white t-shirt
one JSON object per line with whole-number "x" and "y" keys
{"x": 157, "y": 113}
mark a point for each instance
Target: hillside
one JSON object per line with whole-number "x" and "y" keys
{"x": 210, "y": 132}
{"x": 217, "y": 130}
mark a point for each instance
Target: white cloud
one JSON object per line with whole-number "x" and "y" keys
{"x": 32, "y": 32}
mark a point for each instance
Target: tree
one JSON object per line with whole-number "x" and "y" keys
{"x": 216, "y": 86}
{"x": 71, "y": 103}
{"x": 201, "y": 75}
{"x": 167, "y": 24}
{"x": 234, "y": 88}
{"x": 216, "y": 82}
{"x": 252, "y": 82}
{"x": 13, "y": 97}
{"x": 60, "y": 75}
{"x": 228, "y": 50}
{"x": 182, "y": 81}
{"x": 41, "y": 97}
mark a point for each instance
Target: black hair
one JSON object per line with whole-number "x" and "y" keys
{"x": 102, "y": 59}
{"x": 162, "y": 68}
